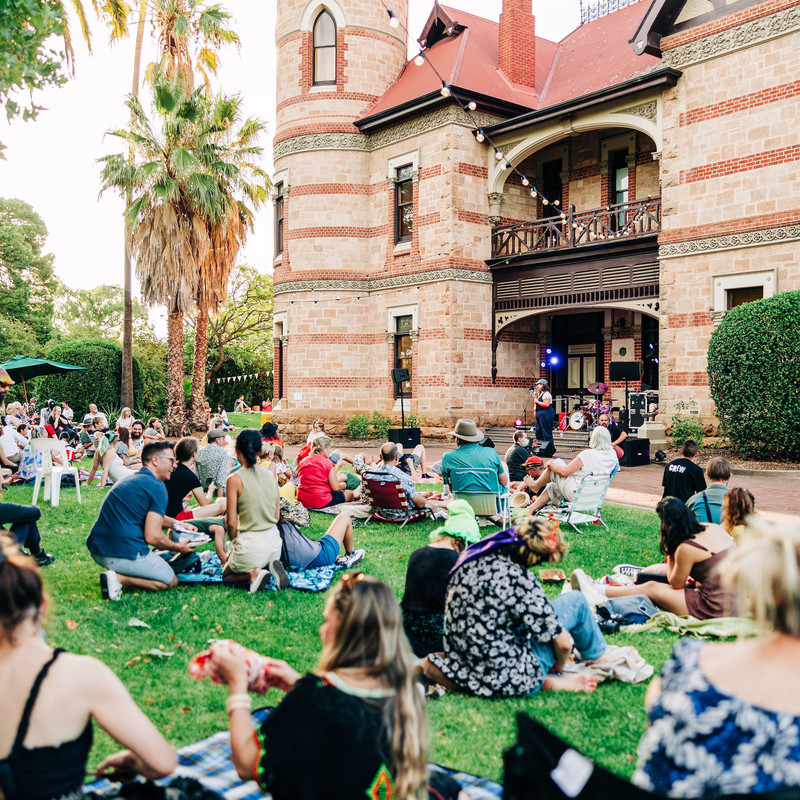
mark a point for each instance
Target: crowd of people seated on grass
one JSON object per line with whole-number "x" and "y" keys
{"x": 473, "y": 610}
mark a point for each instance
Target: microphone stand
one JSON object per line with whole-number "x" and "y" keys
{"x": 525, "y": 409}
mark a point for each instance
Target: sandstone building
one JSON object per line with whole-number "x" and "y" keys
{"x": 502, "y": 201}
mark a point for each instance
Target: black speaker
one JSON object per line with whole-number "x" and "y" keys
{"x": 635, "y": 452}
{"x": 408, "y": 437}
{"x": 638, "y": 404}
{"x": 625, "y": 370}
{"x": 400, "y": 375}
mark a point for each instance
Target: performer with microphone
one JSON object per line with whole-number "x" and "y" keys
{"x": 545, "y": 415}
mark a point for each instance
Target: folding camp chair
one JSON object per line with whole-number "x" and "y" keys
{"x": 384, "y": 492}
{"x": 586, "y": 505}
{"x": 488, "y": 500}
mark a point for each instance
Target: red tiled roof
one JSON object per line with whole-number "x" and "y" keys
{"x": 592, "y": 57}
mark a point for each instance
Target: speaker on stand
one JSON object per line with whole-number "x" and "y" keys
{"x": 625, "y": 371}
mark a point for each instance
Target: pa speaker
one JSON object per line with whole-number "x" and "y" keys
{"x": 636, "y": 452}
{"x": 408, "y": 437}
{"x": 625, "y": 370}
{"x": 401, "y": 375}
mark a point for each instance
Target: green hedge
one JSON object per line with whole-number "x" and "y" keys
{"x": 754, "y": 376}
{"x": 98, "y": 383}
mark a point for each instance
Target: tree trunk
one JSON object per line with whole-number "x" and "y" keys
{"x": 197, "y": 418}
{"x": 175, "y": 409}
{"x": 126, "y": 384}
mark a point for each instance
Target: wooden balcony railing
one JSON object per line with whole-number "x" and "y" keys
{"x": 622, "y": 221}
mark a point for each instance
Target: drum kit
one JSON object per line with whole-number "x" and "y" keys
{"x": 584, "y": 416}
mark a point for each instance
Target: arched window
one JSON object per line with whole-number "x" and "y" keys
{"x": 324, "y": 49}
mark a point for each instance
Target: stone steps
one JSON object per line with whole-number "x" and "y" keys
{"x": 563, "y": 440}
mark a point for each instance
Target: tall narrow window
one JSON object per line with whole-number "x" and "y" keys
{"x": 404, "y": 204}
{"x": 553, "y": 190}
{"x": 619, "y": 186}
{"x": 324, "y": 49}
{"x": 278, "y": 219}
{"x": 402, "y": 352}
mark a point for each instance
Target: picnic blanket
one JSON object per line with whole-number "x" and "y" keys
{"x": 719, "y": 628}
{"x": 209, "y": 761}
{"x": 317, "y": 579}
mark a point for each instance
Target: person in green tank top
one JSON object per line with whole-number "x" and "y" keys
{"x": 252, "y": 518}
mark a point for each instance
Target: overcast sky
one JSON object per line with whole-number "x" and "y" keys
{"x": 51, "y": 163}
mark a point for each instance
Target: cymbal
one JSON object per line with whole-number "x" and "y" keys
{"x": 597, "y": 388}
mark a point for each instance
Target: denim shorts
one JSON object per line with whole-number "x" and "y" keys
{"x": 150, "y": 567}
{"x": 329, "y": 550}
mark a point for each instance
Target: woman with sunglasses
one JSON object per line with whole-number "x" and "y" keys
{"x": 358, "y": 724}
{"x": 496, "y": 606}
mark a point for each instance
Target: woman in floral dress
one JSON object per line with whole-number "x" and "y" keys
{"x": 502, "y": 636}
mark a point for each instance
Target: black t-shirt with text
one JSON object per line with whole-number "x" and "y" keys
{"x": 682, "y": 478}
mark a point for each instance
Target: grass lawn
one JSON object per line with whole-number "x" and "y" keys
{"x": 467, "y": 733}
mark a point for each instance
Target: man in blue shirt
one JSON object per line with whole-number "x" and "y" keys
{"x": 708, "y": 503}
{"x": 131, "y": 520}
{"x": 469, "y": 456}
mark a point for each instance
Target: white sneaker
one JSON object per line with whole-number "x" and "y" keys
{"x": 258, "y": 583}
{"x": 110, "y": 587}
{"x": 351, "y": 559}
{"x": 595, "y": 595}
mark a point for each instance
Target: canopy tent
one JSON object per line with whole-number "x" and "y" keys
{"x": 22, "y": 368}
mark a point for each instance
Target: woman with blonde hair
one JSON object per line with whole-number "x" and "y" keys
{"x": 361, "y": 716}
{"x": 725, "y": 718}
{"x": 50, "y": 698}
{"x": 320, "y": 485}
{"x": 502, "y": 636}
{"x": 125, "y": 419}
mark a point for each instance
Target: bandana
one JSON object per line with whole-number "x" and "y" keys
{"x": 487, "y": 545}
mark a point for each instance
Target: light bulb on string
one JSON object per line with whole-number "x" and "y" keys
{"x": 445, "y": 90}
{"x": 498, "y": 155}
{"x": 419, "y": 60}
{"x": 525, "y": 181}
{"x": 479, "y": 136}
{"x": 393, "y": 21}
{"x": 533, "y": 192}
{"x": 556, "y": 202}
{"x": 544, "y": 201}
{"x": 472, "y": 105}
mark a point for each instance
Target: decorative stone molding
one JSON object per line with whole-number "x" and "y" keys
{"x": 395, "y": 282}
{"x": 736, "y": 241}
{"x": 495, "y": 203}
{"x": 648, "y": 111}
{"x": 729, "y": 41}
{"x": 445, "y": 115}
{"x": 284, "y": 340}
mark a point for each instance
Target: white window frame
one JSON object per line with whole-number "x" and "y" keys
{"x": 721, "y": 284}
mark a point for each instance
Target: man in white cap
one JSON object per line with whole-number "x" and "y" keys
{"x": 470, "y": 456}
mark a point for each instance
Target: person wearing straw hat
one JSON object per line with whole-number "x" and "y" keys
{"x": 470, "y": 456}
{"x": 5, "y": 384}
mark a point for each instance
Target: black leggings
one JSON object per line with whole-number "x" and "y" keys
{"x": 22, "y": 520}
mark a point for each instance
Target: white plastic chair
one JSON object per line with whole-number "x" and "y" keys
{"x": 50, "y": 472}
{"x": 490, "y": 500}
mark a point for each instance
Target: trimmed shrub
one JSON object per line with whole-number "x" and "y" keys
{"x": 754, "y": 377}
{"x": 358, "y": 426}
{"x": 98, "y": 383}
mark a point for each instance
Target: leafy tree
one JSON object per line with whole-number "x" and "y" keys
{"x": 27, "y": 285}
{"x": 244, "y": 329}
{"x": 32, "y": 58}
{"x": 753, "y": 354}
{"x": 193, "y": 184}
{"x": 95, "y": 313}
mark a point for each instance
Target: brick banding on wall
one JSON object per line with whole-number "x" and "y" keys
{"x": 745, "y": 102}
{"x": 740, "y": 225}
{"x": 475, "y": 170}
{"x": 332, "y": 95}
{"x": 732, "y": 166}
{"x": 698, "y": 320}
{"x": 314, "y": 127}
{"x": 687, "y": 378}
{"x": 723, "y": 23}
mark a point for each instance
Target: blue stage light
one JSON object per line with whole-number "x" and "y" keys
{"x": 553, "y": 360}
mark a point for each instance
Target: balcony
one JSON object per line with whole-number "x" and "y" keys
{"x": 572, "y": 230}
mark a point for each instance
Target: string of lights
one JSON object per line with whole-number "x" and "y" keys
{"x": 480, "y": 134}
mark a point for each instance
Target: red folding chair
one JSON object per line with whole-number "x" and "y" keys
{"x": 385, "y": 493}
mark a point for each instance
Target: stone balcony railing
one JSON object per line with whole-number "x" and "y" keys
{"x": 572, "y": 229}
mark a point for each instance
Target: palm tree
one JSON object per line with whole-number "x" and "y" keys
{"x": 194, "y": 186}
{"x": 179, "y": 24}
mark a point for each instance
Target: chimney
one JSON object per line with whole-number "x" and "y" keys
{"x": 517, "y": 51}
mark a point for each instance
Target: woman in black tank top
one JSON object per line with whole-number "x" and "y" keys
{"x": 50, "y": 697}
